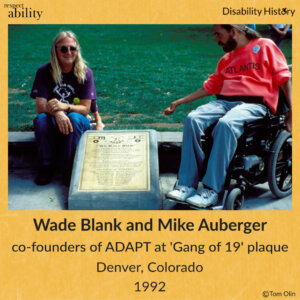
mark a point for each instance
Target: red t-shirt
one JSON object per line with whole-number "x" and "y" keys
{"x": 257, "y": 69}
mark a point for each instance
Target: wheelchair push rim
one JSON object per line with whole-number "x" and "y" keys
{"x": 280, "y": 165}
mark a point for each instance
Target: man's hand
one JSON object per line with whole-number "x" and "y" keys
{"x": 54, "y": 105}
{"x": 63, "y": 123}
{"x": 189, "y": 98}
{"x": 99, "y": 126}
{"x": 170, "y": 109}
{"x": 288, "y": 121}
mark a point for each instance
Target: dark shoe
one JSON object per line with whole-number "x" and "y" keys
{"x": 66, "y": 176}
{"x": 44, "y": 175}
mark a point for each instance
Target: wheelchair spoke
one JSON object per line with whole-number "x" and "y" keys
{"x": 238, "y": 204}
{"x": 280, "y": 165}
{"x": 284, "y": 179}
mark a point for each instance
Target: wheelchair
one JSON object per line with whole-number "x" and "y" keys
{"x": 263, "y": 154}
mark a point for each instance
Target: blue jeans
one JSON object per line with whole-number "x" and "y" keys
{"x": 228, "y": 119}
{"x": 51, "y": 142}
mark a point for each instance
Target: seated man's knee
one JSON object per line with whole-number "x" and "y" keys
{"x": 41, "y": 117}
{"x": 194, "y": 123}
{"x": 75, "y": 117}
{"x": 41, "y": 121}
{"x": 190, "y": 119}
{"x": 226, "y": 127}
{"x": 222, "y": 126}
{"x": 78, "y": 120}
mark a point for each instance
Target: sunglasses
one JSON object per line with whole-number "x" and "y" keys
{"x": 64, "y": 49}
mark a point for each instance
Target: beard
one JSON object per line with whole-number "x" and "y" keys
{"x": 229, "y": 45}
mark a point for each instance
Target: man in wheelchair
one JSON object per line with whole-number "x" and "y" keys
{"x": 246, "y": 82}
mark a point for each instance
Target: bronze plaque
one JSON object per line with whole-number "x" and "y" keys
{"x": 115, "y": 161}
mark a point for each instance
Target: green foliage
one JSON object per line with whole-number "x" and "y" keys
{"x": 138, "y": 69}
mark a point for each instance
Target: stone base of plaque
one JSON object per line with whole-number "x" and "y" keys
{"x": 115, "y": 170}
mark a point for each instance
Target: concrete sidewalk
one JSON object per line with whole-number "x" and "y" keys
{"x": 24, "y": 194}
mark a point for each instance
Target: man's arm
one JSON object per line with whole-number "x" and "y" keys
{"x": 98, "y": 120}
{"x": 282, "y": 33}
{"x": 83, "y": 107}
{"x": 286, "y": 28}
{"x": 287, "y": 90}
{"x": 201, "y": 93}
{"x": 41, "y": 106}
{"x": 275, "y": 28}
{"x": 63, "y": 122}
{"x": 57, "y": 109}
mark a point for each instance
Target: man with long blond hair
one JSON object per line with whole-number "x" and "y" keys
{"x": 65, "y": 92}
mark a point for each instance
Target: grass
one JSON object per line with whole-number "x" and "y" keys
{"x": 138, "y": 69}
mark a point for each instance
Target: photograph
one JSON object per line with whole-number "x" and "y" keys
{"x": 206, "y": 93}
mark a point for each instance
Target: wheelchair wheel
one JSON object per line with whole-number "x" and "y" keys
{"x": 235, "y": 199}
{"x": 280, "y": 165}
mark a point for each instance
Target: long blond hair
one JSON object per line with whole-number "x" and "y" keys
{"x": 80, "y": 66}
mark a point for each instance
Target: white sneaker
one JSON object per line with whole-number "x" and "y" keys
{"x": 205, "y": 198}
{"x": 181, "y": 193}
